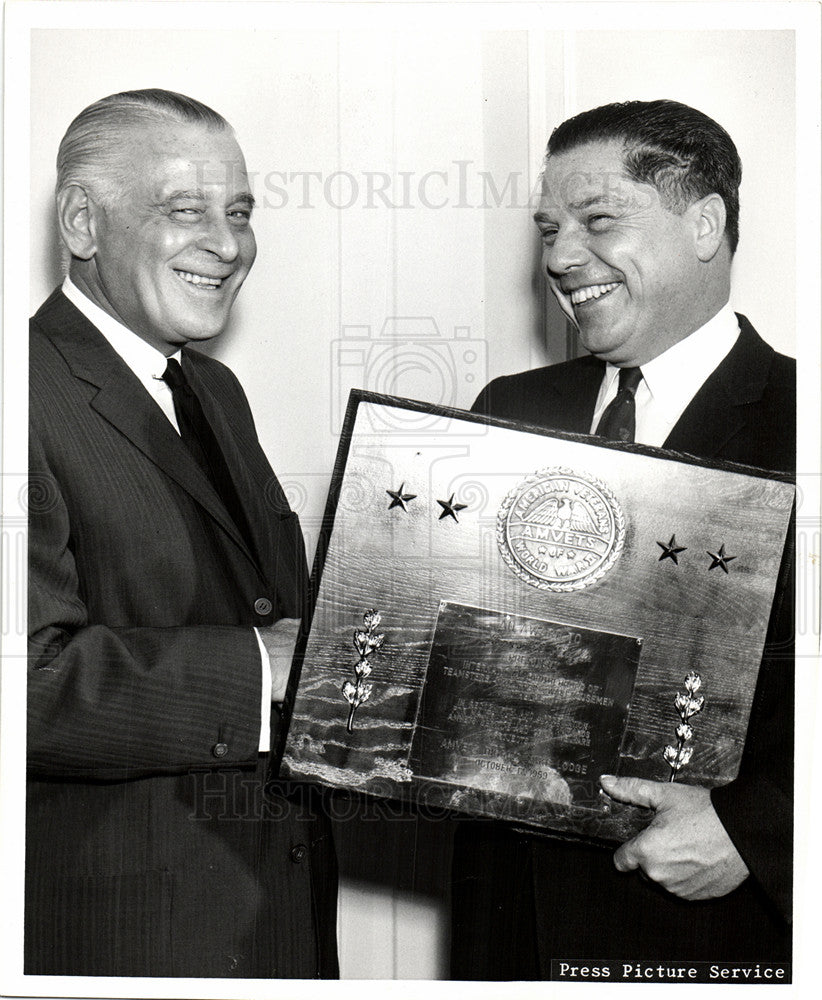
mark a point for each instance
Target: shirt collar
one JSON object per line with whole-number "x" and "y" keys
{"x": 677, "y": 374}
{"x": 144, "y": 360}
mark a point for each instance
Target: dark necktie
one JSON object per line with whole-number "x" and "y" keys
{"x": 618, "y": 422}
{"x": 199, "y": 438}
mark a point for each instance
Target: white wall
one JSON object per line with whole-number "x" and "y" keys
{"x": 745, "y": 80}
{"x": 427, "y": 299}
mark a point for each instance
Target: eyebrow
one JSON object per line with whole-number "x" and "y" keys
{"x": 594, "y": 199}
{"x": 247, "y": 197}
{"x": 580, "y": 206}
{"x": 195, "y": 195}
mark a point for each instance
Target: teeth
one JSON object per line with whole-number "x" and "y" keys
{"x": 580, "y": 295}
{"x": 200, "y": 279}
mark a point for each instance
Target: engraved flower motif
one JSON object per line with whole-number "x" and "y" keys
{"x": 677, "y": 756}
{"x": 687, "y": 706}
{"x": 366, "y": 641}
{"x": 693, "y": 682}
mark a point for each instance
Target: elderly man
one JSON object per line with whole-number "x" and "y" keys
{"x": 639, "y": 223}
{"x": 166, "y": 577}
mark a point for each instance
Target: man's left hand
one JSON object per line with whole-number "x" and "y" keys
{"x": 686, "y": 848}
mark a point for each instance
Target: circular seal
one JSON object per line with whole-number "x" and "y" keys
{"x": 560, "y": 529}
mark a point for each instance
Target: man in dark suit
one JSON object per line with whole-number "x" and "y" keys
{"x": 639, "y": 223}
{"x": 166, "y": 579}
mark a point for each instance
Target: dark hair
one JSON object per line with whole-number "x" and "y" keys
{"x": 681, "y": 151}
{"x": 90, "y": 153}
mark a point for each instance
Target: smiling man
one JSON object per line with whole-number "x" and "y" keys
{"x": 138, "y": 248}
{"x": 639, "y": 220}
{"x": 633, "y": 274}
{"x": 166, "y": 579}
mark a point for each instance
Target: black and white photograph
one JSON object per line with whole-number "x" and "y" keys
{"x": 410, "y": 494}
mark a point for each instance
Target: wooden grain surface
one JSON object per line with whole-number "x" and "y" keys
{"x": 405, "y": 562}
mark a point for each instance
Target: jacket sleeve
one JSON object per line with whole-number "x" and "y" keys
{"x": 124, "y": 702}
{"x": 120, "y": 702}
{"x": 756, "y": 808}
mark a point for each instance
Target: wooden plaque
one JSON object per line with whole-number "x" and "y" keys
{"x": 502, "y": 614}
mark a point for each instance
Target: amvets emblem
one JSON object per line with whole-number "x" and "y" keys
{"x": 560, "y": 529}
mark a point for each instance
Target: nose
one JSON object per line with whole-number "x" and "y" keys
{"x": 219, "y": 238}
{"x": 568, "y": 250}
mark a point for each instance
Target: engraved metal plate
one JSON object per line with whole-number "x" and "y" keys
{"x": 523, "y": 707}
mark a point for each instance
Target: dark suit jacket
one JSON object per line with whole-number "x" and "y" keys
{"x": 561, "y": 900}
{"x": 151, "y": 849}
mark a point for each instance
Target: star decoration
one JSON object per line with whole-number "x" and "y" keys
{"x": 449, "y": 508}
{"x": 399, "y": 499}
{"x": 720, "y": 559}
{"x": 671, "y": 550}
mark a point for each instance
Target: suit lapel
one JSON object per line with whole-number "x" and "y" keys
{"x": 721, "y": 408}
{"x": 252, "y": 479}
{"x": 276, "y": 534}
{"x": 125, "y": 404}
{"x": 724, "y": 406}
{"x": 579, "y": 389}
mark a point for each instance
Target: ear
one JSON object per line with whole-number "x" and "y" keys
{"x": 709, "y": 217}
{"x": 76, "y": 220}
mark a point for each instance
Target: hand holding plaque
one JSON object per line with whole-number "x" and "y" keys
{"x": 685, "y": 848}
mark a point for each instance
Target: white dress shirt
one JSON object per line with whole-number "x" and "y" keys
{"x": 149, "y": 364}
{"x": 670, "y": 381}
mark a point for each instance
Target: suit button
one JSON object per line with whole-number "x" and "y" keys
{"x": 298, "y": 853}
{"x": 220, "y": 749}
{"x": 263, "y": 606}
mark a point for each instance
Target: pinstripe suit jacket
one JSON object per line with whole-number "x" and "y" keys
{"x": 151, "y": 848}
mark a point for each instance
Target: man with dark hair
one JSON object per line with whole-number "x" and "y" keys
{"x": 682, "y": 152}
{"x": 166, "y": 579}
{"x": 639, "y": 221}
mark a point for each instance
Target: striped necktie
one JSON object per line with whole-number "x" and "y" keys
{"x": 618, "y": 422}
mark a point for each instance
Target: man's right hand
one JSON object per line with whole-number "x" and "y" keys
{"x": 279, "y": 640}
{"x": 686, "y": 849}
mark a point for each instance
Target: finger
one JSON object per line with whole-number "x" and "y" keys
{"x": 636, "y": 791}
{"x": 288, "y": 626}
{"x": 625, "y": 859}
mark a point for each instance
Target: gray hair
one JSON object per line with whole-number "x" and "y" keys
{"x": 90, "y": 153}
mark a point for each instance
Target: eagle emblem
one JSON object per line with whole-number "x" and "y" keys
{"x": 561, "y": 512}
{"x": 560, "y": 529}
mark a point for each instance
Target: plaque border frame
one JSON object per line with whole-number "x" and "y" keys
{"x": 358, "y": 396}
